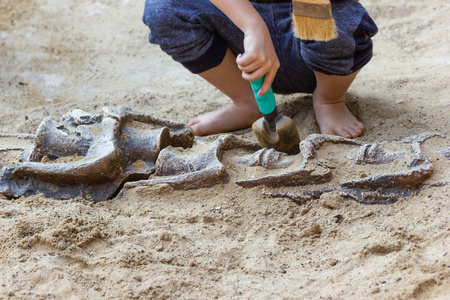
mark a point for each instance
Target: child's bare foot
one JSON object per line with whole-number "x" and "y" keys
{"x": 243, "y": 110}
{"x": 336, "y": 119}
{"x": 332, "y": 114}
{"x": 229, "y": 118}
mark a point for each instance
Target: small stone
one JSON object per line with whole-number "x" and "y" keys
{"x": 331, "y": 200}
{"x": 208, "y": 219}
{"x": 375, "y": 290}
{"x": 304, "y": 211}
{"x": 333, "y": 262}
{"x": 339, "y": 218}
{"x": 313, "y": 229}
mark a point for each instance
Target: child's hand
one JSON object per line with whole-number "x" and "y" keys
{"x": 260, "y": 58}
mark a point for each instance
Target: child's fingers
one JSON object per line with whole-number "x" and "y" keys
{"x": 253, "y": 69}
{"x": 258, "y": 74}
{"x": 249, "y": 62}
{"x": 244, "y": 60}
{"x": 253, "y": 76}
{"x": 268, "y": 80}
{"x": 249, "y": 68}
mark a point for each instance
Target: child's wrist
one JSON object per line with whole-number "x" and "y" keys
{"x": 257, "y": 26}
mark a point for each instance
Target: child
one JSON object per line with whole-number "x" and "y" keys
{"x": 208, "y": 37}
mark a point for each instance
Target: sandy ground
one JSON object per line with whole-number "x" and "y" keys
{"x": 226, "y": 241}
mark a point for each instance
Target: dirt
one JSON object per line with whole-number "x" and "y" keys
{"x": 226, "y": 241}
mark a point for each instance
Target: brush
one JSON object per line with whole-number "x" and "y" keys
{"x": 313, "y": 20}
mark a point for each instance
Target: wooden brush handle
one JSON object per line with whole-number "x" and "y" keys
{"x": 319, "y": 9}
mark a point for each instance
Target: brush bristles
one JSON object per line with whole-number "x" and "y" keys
{"x": 315, "y": 29}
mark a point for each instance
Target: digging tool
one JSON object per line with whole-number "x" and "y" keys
{"x": 274, "y": 130}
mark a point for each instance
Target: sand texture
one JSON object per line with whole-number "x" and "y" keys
{"x": 231, "y": 240}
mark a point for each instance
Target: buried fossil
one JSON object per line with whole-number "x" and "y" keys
{"x": 91, "y": 156}
{"x": 102, "y": 156}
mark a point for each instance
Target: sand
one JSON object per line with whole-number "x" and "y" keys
{"x": 223, "y": 242}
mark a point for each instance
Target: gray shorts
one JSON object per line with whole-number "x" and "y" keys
{"x": 197, "y": 34}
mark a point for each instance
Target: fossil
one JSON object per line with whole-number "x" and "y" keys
{"x": 102, "y": 156}
{"x": 91, "y": 156}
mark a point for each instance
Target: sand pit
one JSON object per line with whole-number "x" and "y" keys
{"x": 225, "y": 241}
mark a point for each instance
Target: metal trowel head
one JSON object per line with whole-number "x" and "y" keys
{"x": 278, "y": 132}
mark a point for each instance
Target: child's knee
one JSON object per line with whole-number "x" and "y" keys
{"x": 182, "y": 30}
{"x": 158, "y": 14}
{"x": 351, "y": 50}
{"x": 170, "y": 25}
{"x": 362, "y": 39}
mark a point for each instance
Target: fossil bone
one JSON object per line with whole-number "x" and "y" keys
{"x": 92, "y": 156}
{"x": 104, "y": 155}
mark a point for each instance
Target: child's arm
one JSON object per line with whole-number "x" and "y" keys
{"x": 260, "y": 57}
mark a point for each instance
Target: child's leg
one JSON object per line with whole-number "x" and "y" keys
{"x": 332, "y": 114}
{"x": 243, "y": 110}
{"x": 199, "y": 36}
{"x": 335, "y": 64}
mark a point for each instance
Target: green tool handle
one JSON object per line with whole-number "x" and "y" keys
{"x": 266, "y": 102}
